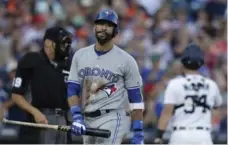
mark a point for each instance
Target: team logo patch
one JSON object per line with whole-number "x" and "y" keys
{"x": 109, "y": 89}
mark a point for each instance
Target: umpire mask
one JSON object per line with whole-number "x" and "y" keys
{"x": 63, "y": 40}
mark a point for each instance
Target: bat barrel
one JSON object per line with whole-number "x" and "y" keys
{"x": 98, "y": 132}
{"x": 89, "y": 131}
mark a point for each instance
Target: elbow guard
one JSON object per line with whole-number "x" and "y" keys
{"x": 135, "y": 99}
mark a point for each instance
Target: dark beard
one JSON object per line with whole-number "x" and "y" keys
{"x": 104, "y": 40}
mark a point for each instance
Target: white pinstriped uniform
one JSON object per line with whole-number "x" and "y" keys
{"x": 196, "y": 96}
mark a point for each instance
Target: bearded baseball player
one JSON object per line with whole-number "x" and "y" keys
{"x": 100, "y": 76}
{"x": 188, "y": 101}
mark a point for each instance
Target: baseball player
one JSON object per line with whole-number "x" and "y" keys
{"x": 189, "y": 100}
{"x": 107, "y": 75}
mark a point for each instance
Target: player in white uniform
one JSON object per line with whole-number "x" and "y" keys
{"x": 100, "y": 76}
{"x": 188, "y": 103}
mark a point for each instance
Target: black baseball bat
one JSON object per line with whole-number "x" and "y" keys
{"x": 89, "y": 131}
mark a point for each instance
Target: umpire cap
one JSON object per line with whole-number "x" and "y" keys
{"x": 56, "y": 34}
{"x": 193, "y": 57}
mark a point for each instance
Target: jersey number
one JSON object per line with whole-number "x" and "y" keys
{"x": 190, "y": 103}
{"x": 17, "y": 82}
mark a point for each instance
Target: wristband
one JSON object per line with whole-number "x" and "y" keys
{"x": 75, "y": 110}
{"x": 76, "y": 113}
{"x": 137, "y": 125}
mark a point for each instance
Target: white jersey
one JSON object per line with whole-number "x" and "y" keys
{"x": 116, "y": 70}
{"x": 194, "y": 96}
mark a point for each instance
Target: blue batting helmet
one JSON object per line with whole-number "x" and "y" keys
{"x": 193, "y": 57}
{"x": 110, "y": 16}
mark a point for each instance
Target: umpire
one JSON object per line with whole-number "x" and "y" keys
{"x": 45, "y": 72}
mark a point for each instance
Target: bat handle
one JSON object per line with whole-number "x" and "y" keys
{"x": 64, "y": 128}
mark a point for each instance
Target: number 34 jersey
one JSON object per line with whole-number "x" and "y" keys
{"x": 194, "y": 97}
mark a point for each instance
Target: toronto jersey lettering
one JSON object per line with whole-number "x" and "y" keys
{"x": 96, "y": 71}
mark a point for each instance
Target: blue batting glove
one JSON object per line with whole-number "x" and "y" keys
{"x": 78, "y": 125}
{"x": 138, "y": 137}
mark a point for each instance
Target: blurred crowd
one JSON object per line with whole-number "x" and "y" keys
{"x": 155, "y": 32}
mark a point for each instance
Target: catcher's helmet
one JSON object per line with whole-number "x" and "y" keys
{"x": 193, "y": 57}
{"x": 110, "y": 16}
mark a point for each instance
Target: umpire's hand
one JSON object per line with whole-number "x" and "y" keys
{"x": 40, "y": 117}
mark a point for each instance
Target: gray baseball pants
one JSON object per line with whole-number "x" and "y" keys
{"x": 117, "y": 121}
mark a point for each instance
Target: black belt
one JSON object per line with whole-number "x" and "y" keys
{"x": 96, "y": 113}
{"x": 55, "y": 111}
{"x": 190, "y": 128}
{"x": 100, "y": 112}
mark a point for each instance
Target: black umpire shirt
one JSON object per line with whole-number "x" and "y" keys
{"x": 46, "y": 80}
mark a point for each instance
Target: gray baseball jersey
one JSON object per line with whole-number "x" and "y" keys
{"x": 116, "y": 70}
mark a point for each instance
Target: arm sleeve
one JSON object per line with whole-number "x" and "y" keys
{"x": 170, "y": 96}
{"x": 73, "y": 83}
{"x": 23, "y": 74}
{"x": 133, "y": 84}
{"x": 135, "y": 99}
